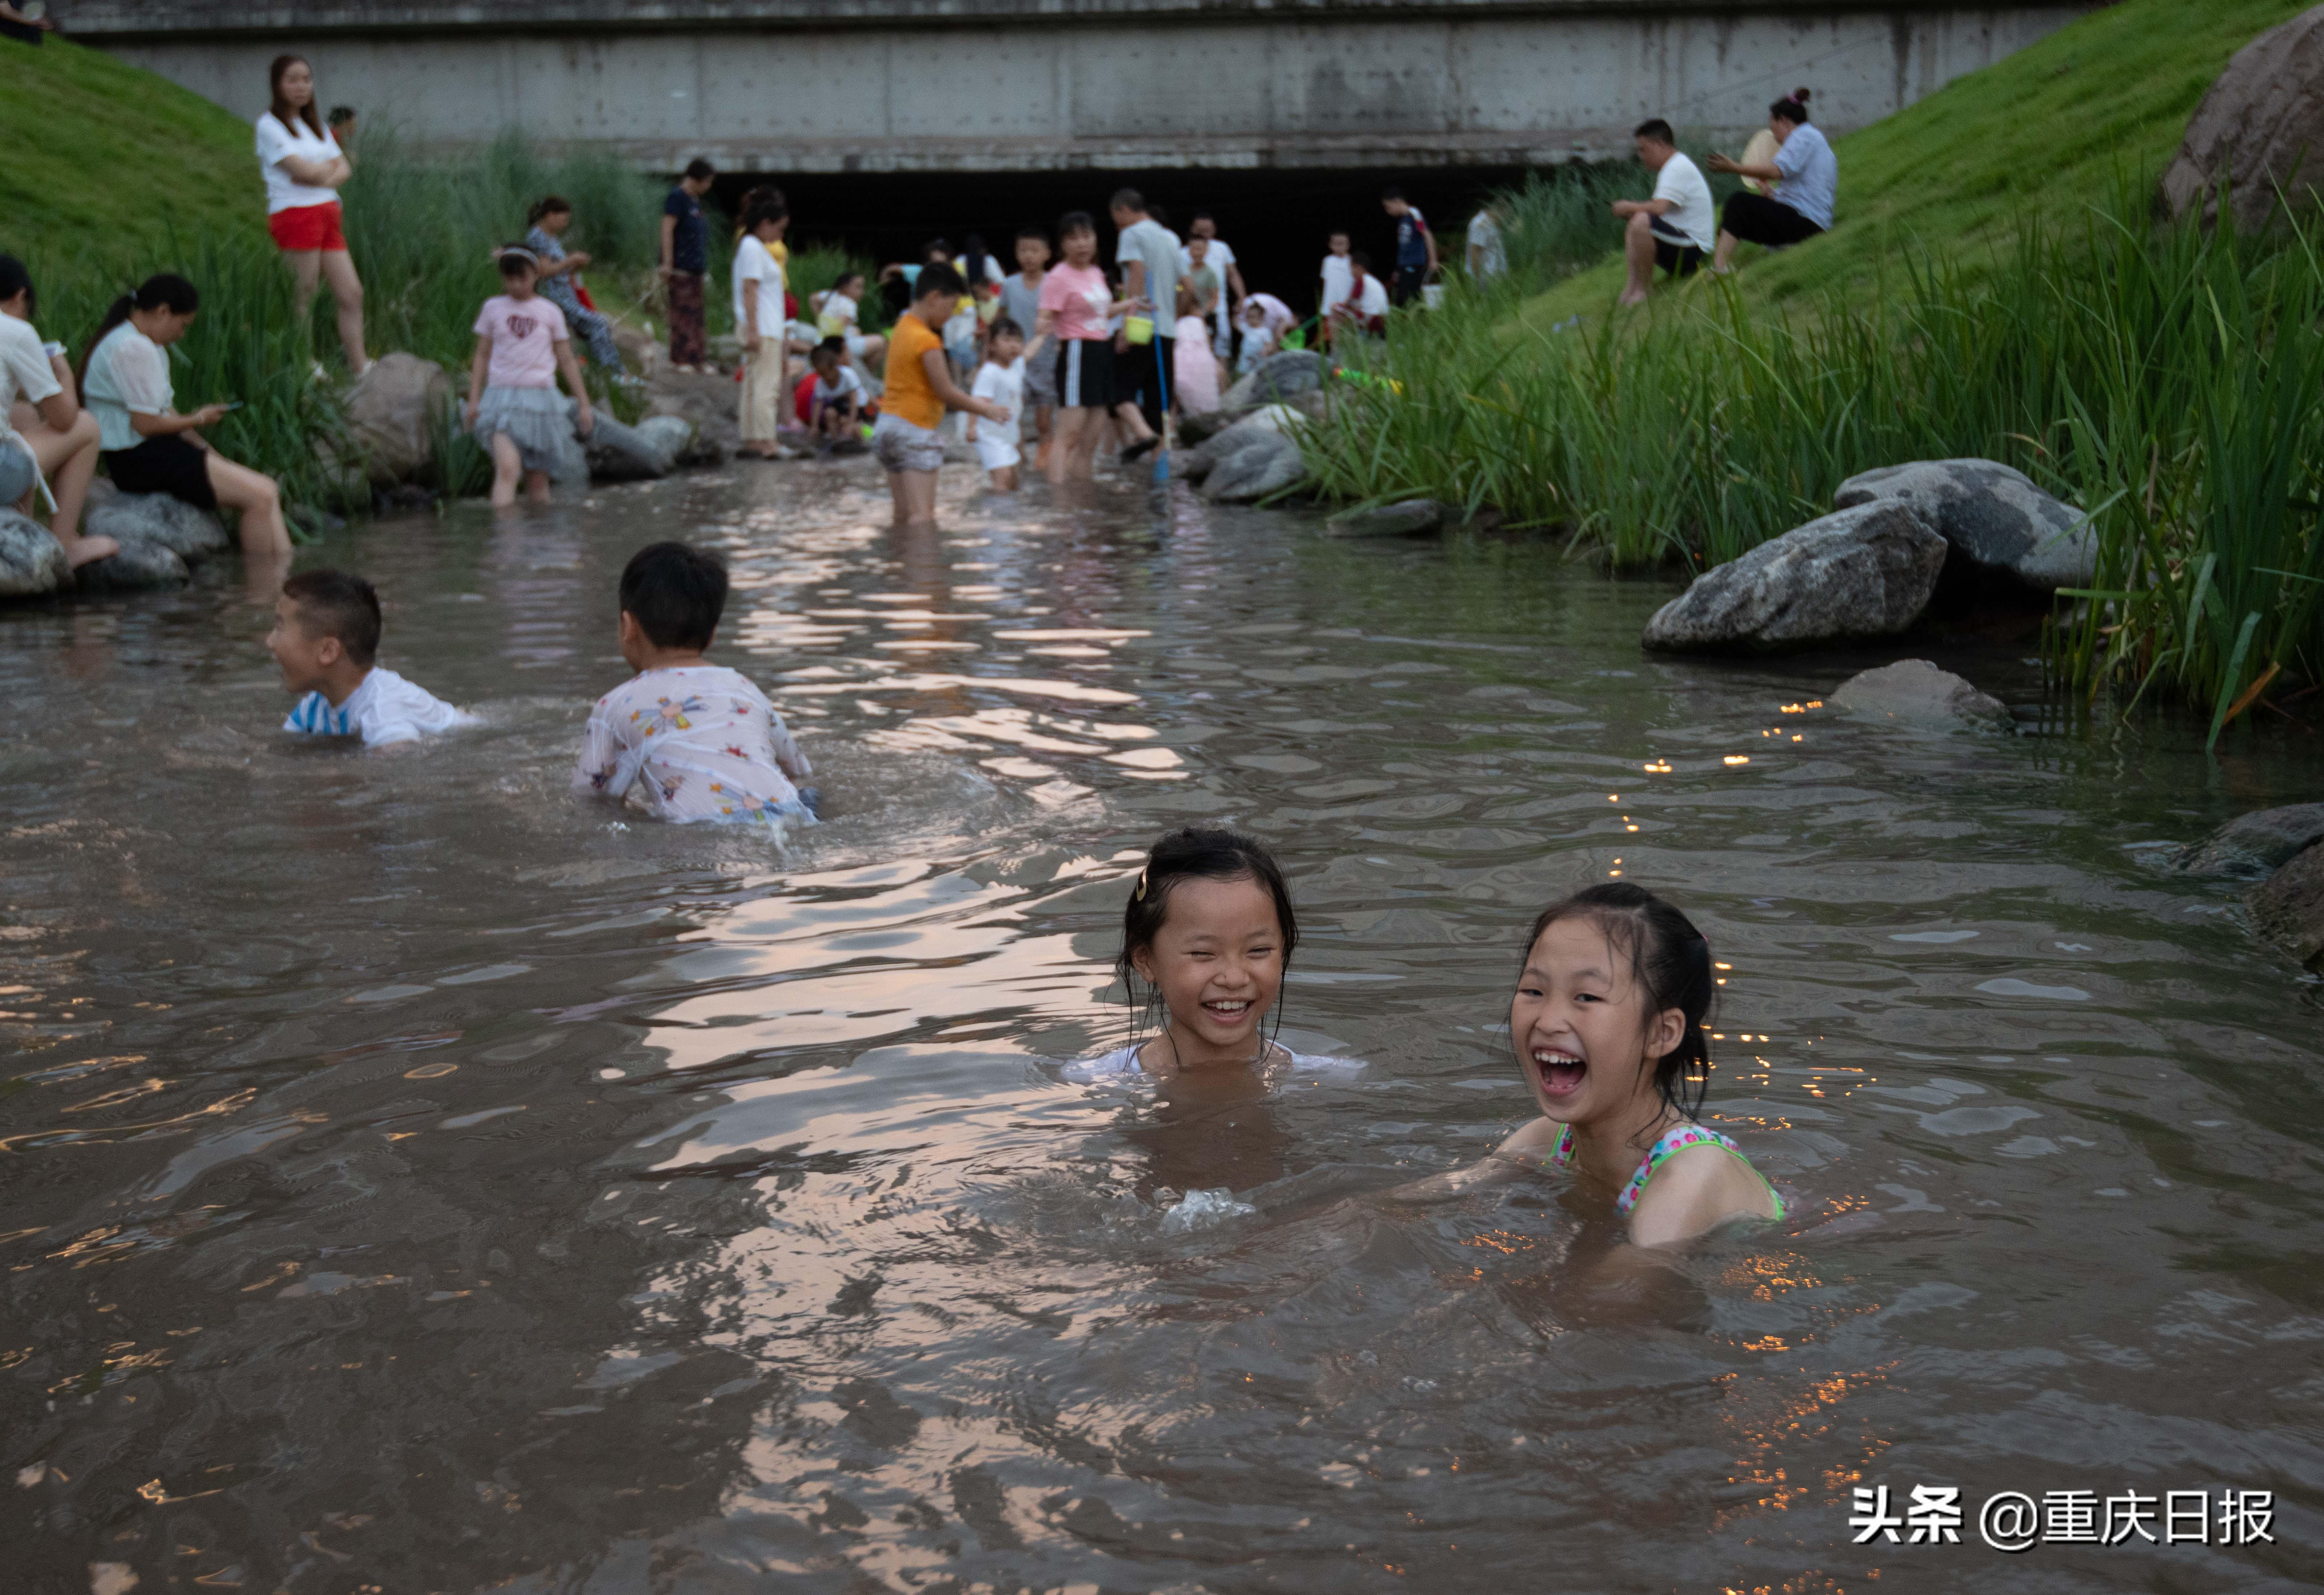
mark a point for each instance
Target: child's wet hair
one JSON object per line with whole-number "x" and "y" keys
{"x": 1197, "y": 854}
{"x": 676, "y": 592}
{"x": 1670, "y": 960}
{"x": 338, "y": 603}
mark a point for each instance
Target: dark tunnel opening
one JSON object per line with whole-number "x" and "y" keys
{"x": 1275, "y": 220}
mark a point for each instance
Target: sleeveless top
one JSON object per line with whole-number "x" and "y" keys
{"x": 1677, "y": 1137}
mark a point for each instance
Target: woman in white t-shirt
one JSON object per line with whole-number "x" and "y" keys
{"x": 761, "y": 325}
{"x": 59, "y": 444}
{"x": 304, "y": 167}
{"x": 148, "y": 446}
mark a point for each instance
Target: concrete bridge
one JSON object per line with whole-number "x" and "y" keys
{"x": 1028, "y": 86}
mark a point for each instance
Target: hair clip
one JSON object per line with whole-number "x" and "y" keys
{"x": 1139, "y": 896}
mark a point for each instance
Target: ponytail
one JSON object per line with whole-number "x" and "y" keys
{"x": 159, "y": 291}
{"x": 1793, "y": 110}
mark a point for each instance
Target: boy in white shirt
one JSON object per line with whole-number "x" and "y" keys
{"x": 759, "y": 317}
{"x": 1675, "y": 228}
{"x": 1339, "y": 279}
{"x": 836, "y": 405}
{"x": 1002, "y": 379}
{"x": 326, "y": 634}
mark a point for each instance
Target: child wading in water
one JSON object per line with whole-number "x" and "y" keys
{"x": 701, "y": 741}
{"x": 919, "y": 389}
{"x": 1607, "y": 1022}
{"x": 522, "y": 347}
{"x": 1002, "y": 379}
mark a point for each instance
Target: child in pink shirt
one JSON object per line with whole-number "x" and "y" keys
{"x": 513, "y": 408}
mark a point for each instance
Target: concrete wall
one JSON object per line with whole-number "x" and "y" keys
{"x": 1024, "y": 85}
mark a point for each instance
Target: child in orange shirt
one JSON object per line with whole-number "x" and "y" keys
{"x": 919, "y": 389}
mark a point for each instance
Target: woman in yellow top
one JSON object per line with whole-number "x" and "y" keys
{"x": 919, "y": 389}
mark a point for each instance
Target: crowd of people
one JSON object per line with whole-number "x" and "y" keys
{"x": 1096, "y": 353}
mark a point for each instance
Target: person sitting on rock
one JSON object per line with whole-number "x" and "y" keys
{"x": 560, "y": 280}
{"x": 1806, "y": 175}
{"x": 1365, "y": 309}
{"x": 44, "y": 433}
{"x": 326, "y": 626}
{"x": 147, "y": 446}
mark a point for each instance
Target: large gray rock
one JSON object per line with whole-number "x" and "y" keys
{"x": 1412, "y": 517}
{"x": 1279, "y": 376}
{"x": 2288, "y": 907}
{"x": 31, "y": 562}
{"x": 1269, "y": 464}
{"x": 621, "y": 453}
{"x": 2255, "y": 842}
{"x": 1865, "y": 572}
{"x": 2260, "y": 128}
{"x": 138, "y": 565}
{"x": 1914, "y": 692}
{"x": 392, "y": 416}
{"x": 192, "y": 534}
{"x": 1991, "y": 515}
{"x": 671, "y": 435}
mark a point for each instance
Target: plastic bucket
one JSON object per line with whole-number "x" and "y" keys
{"x": 1139, "y": 329}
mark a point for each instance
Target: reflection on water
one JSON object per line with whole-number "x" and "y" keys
{"x": 416, "y": 1179}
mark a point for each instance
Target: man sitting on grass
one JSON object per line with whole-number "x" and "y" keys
{"x": 1674, "y": 229}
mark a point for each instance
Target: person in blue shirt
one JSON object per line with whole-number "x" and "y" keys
{"x": 685, "y": 262}
{"x": 1806, "y": 178}
{"x": 1415, "y": 248}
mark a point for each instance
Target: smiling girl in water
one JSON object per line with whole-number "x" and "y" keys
{"x": 1208, "y": 931}
{"x": 1607, "y": 1026}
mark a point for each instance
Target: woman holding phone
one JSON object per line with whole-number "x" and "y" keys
{"x": 147, "y": 446}
{"x": 304, "y": 168}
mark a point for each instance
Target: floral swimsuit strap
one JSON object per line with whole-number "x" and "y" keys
{"x": 1677, "y": 1137}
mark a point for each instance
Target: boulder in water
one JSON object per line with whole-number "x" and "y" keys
{"x": 157, "y": 519}
{"x": 1283, "y": 375}
{"x": 1863, "y": 572}
{"x": 671, "y": 435}
{"x": 31, "y": 562}
{"x": 138, "y": 565}
{"x": 1990, "y": 515}
{"x": 2260, "y": 129}
{"x": 619, "y": 452}
{"x": 2255, "y": 842}
{"x": 2288, "y": 907}
{"x": 391, "y": 414}
{"x": 1914, "y": 692}
{"x": 1267, "y": 463}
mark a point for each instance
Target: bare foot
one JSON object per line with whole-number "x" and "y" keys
{"x": 1632, "y": 296}
{"x": 87, "y": 551}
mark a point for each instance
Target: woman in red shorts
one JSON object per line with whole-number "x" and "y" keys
{"x": 304, "y": 167}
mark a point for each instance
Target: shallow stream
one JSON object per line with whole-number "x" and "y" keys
{"x": 416, "y": 1179}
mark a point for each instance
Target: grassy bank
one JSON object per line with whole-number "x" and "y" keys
{"x": 2166, "y": 382}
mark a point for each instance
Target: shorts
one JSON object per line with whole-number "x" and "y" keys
{"x": 1041, "y": 384}
{"x": 306, "y": 228}
{"x": 166, "y": 463}
{"x": 996, "y": 454}
{"x": 903, "y": 446}
{"x": 1084, "y": 373}
{"x": 1680, "y": 256}
{"x": 1142, "y": 377}
{"x": 1757, "y": 219}
{"x": 18, "y": 470}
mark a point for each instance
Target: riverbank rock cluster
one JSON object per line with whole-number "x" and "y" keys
{"x": 161, "y": 540}
{"x": 1247, "y": 449}
{"x": 1898, "y": 538}
{"x": 2283, "y": 851}
{"x": 2260, "y": 130}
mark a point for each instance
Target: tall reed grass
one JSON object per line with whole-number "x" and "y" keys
{"x": 2169, "y": 382}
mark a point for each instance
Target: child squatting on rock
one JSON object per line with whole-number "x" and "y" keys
{"x": 1607, "y": 1026}
{"x": 700, "y": 741}
{"x": 327, "y": 625}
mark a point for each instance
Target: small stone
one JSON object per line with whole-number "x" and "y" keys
{"x": 2255, "y": 842}
{"x": 1990, "y": 515}
{"x": 1914, "y": 692}
{"x": 191, "y": 533}
{"x": 1864, "y": 572}
{"x": 1412, "y": 517}
{"x": 139, "y": 565}
{"x": 2288, "y": 907}
{"x": 31, "y": 562}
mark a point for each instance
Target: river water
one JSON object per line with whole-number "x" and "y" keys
{"x": 416, "y": 1179}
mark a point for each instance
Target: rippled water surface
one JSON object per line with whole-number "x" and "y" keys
{"x": 417, "y": 1180}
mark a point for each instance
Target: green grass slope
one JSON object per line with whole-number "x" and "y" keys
{"x": 108, "y": 157}
{"x": 2050, "y": 129}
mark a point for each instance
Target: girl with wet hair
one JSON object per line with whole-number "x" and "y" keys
{"x": 1206, "y": 936}
{"x": 1608, "y": 1022}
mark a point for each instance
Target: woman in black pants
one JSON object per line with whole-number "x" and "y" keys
{"x": 1805, "y": 179}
